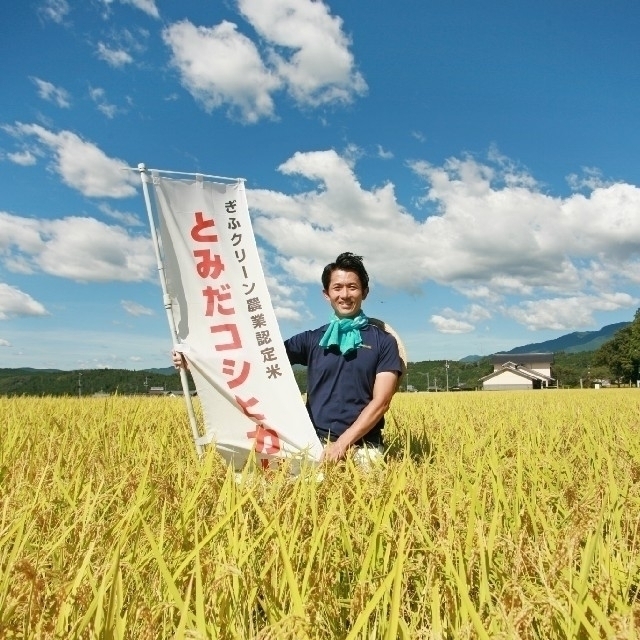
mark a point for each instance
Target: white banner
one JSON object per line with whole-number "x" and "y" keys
{"x": 226, "y": 324}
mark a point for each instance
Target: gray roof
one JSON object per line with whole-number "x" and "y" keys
{"x": 521, "y": 358}
{"x": 518, "y": 370}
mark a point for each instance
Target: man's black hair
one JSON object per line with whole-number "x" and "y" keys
{"x": 346, "y": 262}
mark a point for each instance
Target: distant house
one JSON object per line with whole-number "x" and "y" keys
{"x": 179, "y": 393}
{"x": 519, "y": 371}
{"x": 156, "y": 391}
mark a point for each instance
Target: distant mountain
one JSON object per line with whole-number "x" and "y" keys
{"x": 28, "y": 371}
{"x": 471, "y": 358}
{"x": 163, "y": 371}
{"x": 573, "y": 342}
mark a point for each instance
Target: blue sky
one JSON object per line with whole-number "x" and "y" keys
{"x": 482, "y": 157}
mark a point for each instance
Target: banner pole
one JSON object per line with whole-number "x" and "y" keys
{"x": 144, "y": 177}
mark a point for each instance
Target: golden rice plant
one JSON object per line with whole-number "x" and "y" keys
{"x": 495, "y": 515}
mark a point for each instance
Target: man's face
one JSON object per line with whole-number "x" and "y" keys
{"x": 345, "y": 293}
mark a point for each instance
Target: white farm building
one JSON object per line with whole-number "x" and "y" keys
{"x": 519, "y": 371}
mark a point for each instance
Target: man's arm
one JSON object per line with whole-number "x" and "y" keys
{"x": 384, "y": 387}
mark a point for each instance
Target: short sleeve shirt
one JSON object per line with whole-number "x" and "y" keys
{"x": 340, "y": 386}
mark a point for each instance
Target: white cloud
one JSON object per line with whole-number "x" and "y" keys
{"x": 24, "y": 158}
{"x": 492, "y": 234}
{"x": 450, "y": 321}
{"x": 14, "y": 302}
{"x": 48, "y": 91}
{"x": 54, "y": 10}
{"x": 286, "y": 299}
{"x": 569, "y": 312}
{"x": 476, "y": 313}
{"x": 590, "y": 179}
{"x": 135, "y": 309}
{"x": 320, "y": 68}
{"x": 124, "y": 217}
{"x": 5, "y": 343}
{"x": 148, "y": 6}
{"x": 113, "y": 57}
{"x": 220, "y": 66}
{"x": 98, "y": 95}
{"x": 81, "y": 249}
{"x": 418, "y": 135}
{"x": 385, "y": 155}
{"x": 450, "y": 325}
{"x": 306, "y": 52}
{"x": 81, "y": 164}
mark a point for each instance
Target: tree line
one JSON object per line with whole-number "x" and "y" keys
{"x": 86, "y": 382}
{"x": 621, "y": 354}
{"x": 617, "y": 360}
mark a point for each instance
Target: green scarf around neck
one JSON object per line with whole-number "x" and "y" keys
{"x": 344, "y": 333}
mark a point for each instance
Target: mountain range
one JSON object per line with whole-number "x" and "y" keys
{"x": 569, "y": 343}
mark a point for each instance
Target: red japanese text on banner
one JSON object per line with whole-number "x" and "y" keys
{"x": 226, "y": 323}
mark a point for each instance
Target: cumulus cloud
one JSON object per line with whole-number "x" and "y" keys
{"x": 4, "y": 343}
{"x": 14, "y": 302}
{"x": 590, "y": 178}
{"x": 124, "y": 217}
{"x": 51, "y": 93}
{"x": 305, "y": 52}
{"x": 220, "y": 66}
{"x": 81, "y": 249}
{"x": 450, "y": 325}
{"x": 113, "y": 57}
{"x": 135, "y": 309}
{"x": 491, "y": 233}
{"x": 24, "y": 158}
{"x": 569, "y": 312}
{"x": 54, "y": 10}
{"x": 99, "y": 97}
{"x": 81, "y": 164}
{"x": 286, "y": 299}
{"x": 451, "y": 321}
{"x": 148, "y": 6}
{"x": 319, "y": 67}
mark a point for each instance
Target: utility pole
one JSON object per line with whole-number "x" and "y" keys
{"x": 446, "y": 368}
{"x": 79, "y": 384}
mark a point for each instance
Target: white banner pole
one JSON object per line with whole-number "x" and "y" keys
{"x": 144, "y": 177}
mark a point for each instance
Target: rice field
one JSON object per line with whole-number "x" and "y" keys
{"x": 495, "y": 515}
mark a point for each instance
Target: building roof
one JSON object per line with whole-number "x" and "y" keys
{"x": 519, "y": 370}
{"x": 521, "y": 358}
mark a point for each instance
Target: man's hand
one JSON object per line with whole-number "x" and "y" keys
{"x": 334, "y": 452}
{"x": 179, "y": 361}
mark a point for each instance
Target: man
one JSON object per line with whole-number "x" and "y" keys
{"x": 352, "y": 365}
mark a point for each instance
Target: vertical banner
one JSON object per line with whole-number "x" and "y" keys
{"x": 226, "y": 325}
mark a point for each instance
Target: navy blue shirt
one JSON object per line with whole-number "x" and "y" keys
{"x": 340, "y": 387}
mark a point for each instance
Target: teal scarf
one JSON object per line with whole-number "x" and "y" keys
{"x": 344, "y": 333}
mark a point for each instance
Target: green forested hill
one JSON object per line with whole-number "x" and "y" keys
{"x": 575, "y": 342}
{"x": 88, "y": 381}
{"x": 568, "y": 369}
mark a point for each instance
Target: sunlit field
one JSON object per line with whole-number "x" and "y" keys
{"x": 495, "y": 515}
